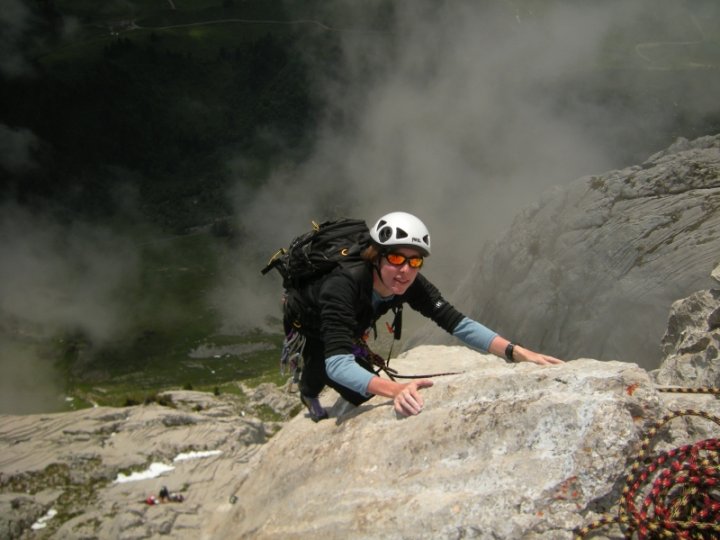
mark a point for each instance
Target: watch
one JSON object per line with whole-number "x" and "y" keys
{"x": 509, "y": 350}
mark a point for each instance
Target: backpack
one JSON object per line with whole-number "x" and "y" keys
{"x": 317, "y": 252}
{"x": 309, "y": 257}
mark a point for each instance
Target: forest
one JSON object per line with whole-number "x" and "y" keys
{"x": 158, "y": 111}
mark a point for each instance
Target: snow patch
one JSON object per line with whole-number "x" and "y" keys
{"x": 196, "y": 455}
{"x": 42, "y": 522}
{"x": 155, "y": 470}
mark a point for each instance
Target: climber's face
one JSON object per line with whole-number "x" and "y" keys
{"x": 397, "y": 270}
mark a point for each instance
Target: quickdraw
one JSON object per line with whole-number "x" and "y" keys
{"x": 684, "y": 498}
{"x": 291, "y": 359}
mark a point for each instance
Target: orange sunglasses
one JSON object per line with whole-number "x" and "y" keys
{"x": 398, "y": 259}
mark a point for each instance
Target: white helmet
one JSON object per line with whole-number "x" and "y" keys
{"x": 403, "y": 230}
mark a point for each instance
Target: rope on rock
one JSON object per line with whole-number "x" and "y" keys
{"x": 684, "y": 498}
{"x": 363, "y": 351}
{"x": 686, "y": 390}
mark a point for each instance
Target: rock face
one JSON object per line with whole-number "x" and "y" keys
{"x": 80, "y": 466}
{"x": 593, "y": 268}
{"x": 500, "y": 451}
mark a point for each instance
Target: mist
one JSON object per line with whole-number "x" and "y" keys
{"x": 55, "y": 278}
{"x": 29, "y": 383}
{"x": 459, "y": 112}
{"x": 15, "y": 19}
{"x": 16, "y": 147}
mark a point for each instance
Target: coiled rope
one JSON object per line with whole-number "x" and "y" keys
{"x": 684, "y": 498}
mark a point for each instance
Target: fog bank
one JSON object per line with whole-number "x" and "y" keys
{"x": 463, "y": 113}
{"x": 55, "y": 278}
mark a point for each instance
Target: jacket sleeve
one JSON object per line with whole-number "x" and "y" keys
{"x": 424, "y": 297}
{"x": 344, "y": 370}
{"x": 474, "y": 334}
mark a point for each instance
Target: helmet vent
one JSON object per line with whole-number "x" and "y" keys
{"x": 400, "y": 233}
{"x": 385, "y": 233}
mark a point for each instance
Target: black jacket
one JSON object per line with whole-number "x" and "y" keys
{"x": 338, "y": 308}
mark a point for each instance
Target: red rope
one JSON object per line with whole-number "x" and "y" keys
{"x": 679, "y": 488}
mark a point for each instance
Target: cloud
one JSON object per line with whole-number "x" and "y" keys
{"x": 28, "y": 382}
{"x": 461, "y": 112}
{"x": 25, "y": 26}
{"x": 15, "y": 21}
{"x": 461, "y": 124}
{"x": 61, "y": 277}
{"x": 16, "y": 148}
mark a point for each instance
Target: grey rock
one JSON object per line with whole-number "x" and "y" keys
{"x": 499, "y": 451}
{"x": 692, "y": 342}
{"x": 18, "y": 513}
{"x": 593, "y": 268}
{"x": 80, "y": 455}
{"x": 716, "y": 273}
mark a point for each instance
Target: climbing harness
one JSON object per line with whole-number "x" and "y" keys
{"x": 679, "y": 488}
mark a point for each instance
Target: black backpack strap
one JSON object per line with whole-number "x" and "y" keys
{"x": 397, "y": 321}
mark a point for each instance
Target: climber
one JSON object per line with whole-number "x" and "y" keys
{"x": 349, "y": 300}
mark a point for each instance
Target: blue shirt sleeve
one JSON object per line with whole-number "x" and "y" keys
{"x": 344, "y": 370}
{"x": 474, "y": 334}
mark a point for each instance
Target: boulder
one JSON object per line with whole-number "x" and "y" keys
{"x": 691, "y": 343}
